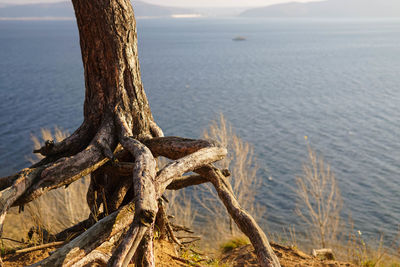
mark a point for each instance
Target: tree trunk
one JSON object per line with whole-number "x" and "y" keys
{"x": 117, "y": 144}
{"x": 108, "y": 38}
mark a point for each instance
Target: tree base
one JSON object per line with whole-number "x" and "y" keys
{"x": 141, "y": 186}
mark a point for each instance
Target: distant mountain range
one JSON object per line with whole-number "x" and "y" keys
{"x": 330, "y": 9}
{"x": 65, "y": 10}
{"x": 323, "y": 9}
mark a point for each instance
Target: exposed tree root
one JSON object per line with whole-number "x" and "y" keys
{"x": 148, "y": 186}
{"x": 22, "y": 181}
{"x": 244, "y": 220}
{"x": 144, "y": 255}
{"x": 72, "y": 144}
{"x": 109, "y": 228}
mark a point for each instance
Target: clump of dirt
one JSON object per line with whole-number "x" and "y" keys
{"x": 288, "y": 257}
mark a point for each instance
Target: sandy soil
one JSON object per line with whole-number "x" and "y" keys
{"x": 166, "y": 256}
{"x": 288, "y": 257}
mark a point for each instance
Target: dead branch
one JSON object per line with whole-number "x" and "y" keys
{"x": 48, "y": 245}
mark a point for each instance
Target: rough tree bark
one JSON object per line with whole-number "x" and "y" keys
{"x": 117, "y": 144}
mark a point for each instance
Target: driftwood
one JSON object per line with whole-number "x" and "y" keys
{"x": 117, "y": 144}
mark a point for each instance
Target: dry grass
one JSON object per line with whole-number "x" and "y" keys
{"x": 46, "y": 134}
{"x": 54, "y": 211}
{"x": 213, "y": 222}
{"x": 319, "y": 206}
{"x": 319, "y": 200}
{"x": 244, "y": 180}
{"x": 240, "y": 161}
{"x": 182, "y": 208}
{"x": 371, "y": 253}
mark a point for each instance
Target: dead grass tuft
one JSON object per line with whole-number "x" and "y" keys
{"x": 213, "y": 222}
{"x": 319, "y": 200}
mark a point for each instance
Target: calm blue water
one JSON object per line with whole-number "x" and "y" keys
{"x": 337, "y": 82}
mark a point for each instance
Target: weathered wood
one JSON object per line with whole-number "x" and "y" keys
{"x": 7, "y": 181}
{"x": 245, "y": 222}
{"x": 176, "y": 148}
{"x": 161, "y": 221}
{"x": 22, "y": 181}
{"x": 94, "y": 258}
{"x": 191, "y": 180}
{"x": 119, "y": 194}
{"x": 163, "y": 225}
{"x": 188, "y": 163}
{"x": 64, "y": 172}
{"x": 176, "y": 168}
{"x": 100, "y": 255}
{"x": 155, "y": 130}
{"x": 144, "y": 255}
{"x": 91, "y": 239}
{"x": 93, "y": 195}
{"x": 125, "y": 251}
{"x": 144, "y": 172}
{"x": 173, "y": 147}
{"x": 178, "y": 228}
{"x": 72, "y": 144}
{"x": 186, "y": 181}
{"x": 171, "y": 233}
{"x": 67, "y": 170}
{"x": 119, "y": 168}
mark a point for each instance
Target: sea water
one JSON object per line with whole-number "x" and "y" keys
{"x": 335, "y": 81}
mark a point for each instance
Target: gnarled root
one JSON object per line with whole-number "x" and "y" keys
{"x": 144, "y": 255}
{"x": 147, "y": 191}
{"x": 72, "y": 144}
{"x": 144, "y": 172}
{"x": 245, "y": 222}
{"x": 106, "y": 240}
{"x": 108, "y": 228}
{"x": 178, "y": 147}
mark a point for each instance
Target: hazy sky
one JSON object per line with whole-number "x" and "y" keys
{"x": 184, "y": 3}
